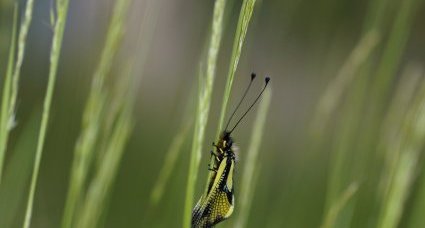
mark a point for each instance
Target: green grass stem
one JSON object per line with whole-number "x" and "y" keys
{"x": 336, "y": 89}
{"x": 173, "y": 152}
{"x": 22, "y": 38}
{"x": 93, "y": 115}
{"x": 402, "y": 99}
{"x": 203, "y": 107}
{"x": 394, "y": 49}
{"x": 393, "y": 124}
{"x": 171, "y": 156}
{"x": 362, "y": 118}
{"x": 62, "y": 12}
{"x": 13, "y": 189}
{"x": 100, "y": 186}
{"x": 5, "y": 119}
{"x": 409, "y": 145}
{"x": 241, "y": 31}
{"x": 415, "y": 218}
{"x": 337, "y": 207}
{"x": 351, "y": 112}
{"x": 381, "y": 87}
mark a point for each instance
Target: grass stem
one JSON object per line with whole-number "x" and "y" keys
{"x": 94, "y": 114}
{"x": 241, "y": 31}
{"x": 62, "y": 12}
{"x": 203, "y": 107}
{"x": 5, "y": 118}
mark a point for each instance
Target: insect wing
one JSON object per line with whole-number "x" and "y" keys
{"x": 218, "y": 204}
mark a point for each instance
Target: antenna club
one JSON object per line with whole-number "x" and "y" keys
{"x": 253, "y": 75}
{"x": 267, "y": 79}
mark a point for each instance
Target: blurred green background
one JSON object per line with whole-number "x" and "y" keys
{"x": 343, "y": 139}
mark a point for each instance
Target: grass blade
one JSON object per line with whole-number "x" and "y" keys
{"x": 415, "y": 219}
{"x": 17, "y": 173}
{"x": 203, "y": 107}
{"x": 334, "y": 92}
{"x": 359, "y": 128}
{"x": 241, "y": 30}
{"x": 5, "y": 123}
{"x": 99, "y": 188}
{"x": 169, "y": 164}
{"x": 22, "y": 38}
{"x": 54, "y": 60}
{"x": 173, "y": 152}
{"x": 393, "y": 50}
{"x": 393, "y": 125}
{"x": 337, "y": 207}
{"x": 409, "y": 146}
{"x": 93, "y": 115}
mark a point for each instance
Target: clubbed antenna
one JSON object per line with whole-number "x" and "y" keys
{"x": 253, "y": 75}
{"x": 267, "y": 79}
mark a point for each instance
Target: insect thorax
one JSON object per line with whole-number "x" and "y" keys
{"x": 224, "y": 146}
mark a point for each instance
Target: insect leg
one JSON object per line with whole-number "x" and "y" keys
{"x": 215, "y": 154}
{"x": 215, "y": 169}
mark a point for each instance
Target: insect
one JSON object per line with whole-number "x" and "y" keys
{"x": 217, "y": 203}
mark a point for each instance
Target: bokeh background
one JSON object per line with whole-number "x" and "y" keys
{"x": 310, "y": 162}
